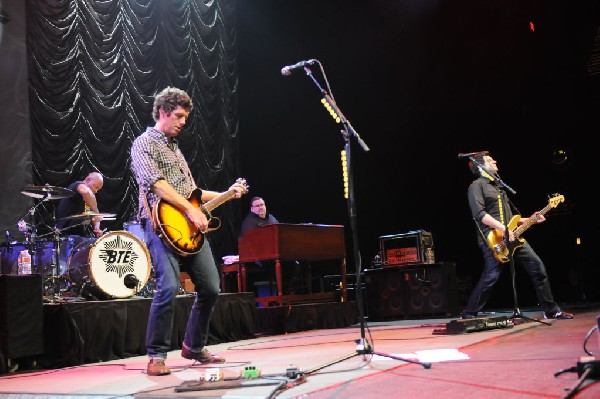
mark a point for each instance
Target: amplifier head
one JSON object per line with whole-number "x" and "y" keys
{"x": 405, "y": 248}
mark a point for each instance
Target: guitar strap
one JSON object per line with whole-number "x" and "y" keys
{"x": 501, "y": 209}
{"x": 513, "y": 206}
{"x": 480, "y": 231}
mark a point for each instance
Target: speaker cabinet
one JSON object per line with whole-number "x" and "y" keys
{"x": 422, "y": 290}
{"x": 21, "y": 316}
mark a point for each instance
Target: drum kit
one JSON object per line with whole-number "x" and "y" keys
{"x": 113, "y": 266}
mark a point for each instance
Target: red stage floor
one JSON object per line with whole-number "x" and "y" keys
{"x": 524, "y": 361}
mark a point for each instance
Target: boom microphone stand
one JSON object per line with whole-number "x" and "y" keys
{"x": 348, "y": 131}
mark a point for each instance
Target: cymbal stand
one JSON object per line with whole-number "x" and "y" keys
{"x": 61, "y": 282}
{"x": 53, "y": 283}
{"x": 56, "y": 276}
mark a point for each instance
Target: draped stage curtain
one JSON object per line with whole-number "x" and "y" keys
{"x": 94, "y": 67}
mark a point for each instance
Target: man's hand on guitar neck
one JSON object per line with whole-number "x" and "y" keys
{"x": 511, "y": 235}
{"x": 537, "y": 216}
{"x": 197, "y": 215}
{"x": 239, "y": 187}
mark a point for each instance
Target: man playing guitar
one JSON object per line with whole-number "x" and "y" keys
{"x": 165, "y": 187}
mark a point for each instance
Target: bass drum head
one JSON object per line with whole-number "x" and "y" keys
{"x": 116, "y": 265}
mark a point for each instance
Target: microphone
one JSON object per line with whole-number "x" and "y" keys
{"x": 130, "y": 281}
{"x": 287, "y": 70}
{"x": 472, "y": 154}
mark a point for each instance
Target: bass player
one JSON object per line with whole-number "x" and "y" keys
{"x": 491, "y": 213}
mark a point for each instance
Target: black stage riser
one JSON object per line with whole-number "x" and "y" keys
{"x": 21, "y": 317}
{"x": 70, "y": 332}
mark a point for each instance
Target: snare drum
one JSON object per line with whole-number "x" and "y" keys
{"x": 116, "y": 265}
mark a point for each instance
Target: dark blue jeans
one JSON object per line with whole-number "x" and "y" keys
{"x": 205, "y": 276}
{"x": 524, "y": 256}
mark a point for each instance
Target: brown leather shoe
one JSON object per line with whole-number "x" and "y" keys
{"x": 157, "y": 367}
{"x": 204, "y": 356}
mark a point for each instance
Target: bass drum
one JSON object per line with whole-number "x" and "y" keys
{"x": 116, "y": 265}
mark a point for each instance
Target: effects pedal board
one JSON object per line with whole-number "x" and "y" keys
{"x": 477, "y": 324}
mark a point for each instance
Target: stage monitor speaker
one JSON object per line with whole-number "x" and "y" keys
{"x": 424, "y": 290}
{"x": 21, "y": 316}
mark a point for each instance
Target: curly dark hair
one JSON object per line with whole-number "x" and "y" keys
{"x": 169, "y": 99}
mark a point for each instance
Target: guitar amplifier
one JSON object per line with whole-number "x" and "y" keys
{"x": 405, "y": 248}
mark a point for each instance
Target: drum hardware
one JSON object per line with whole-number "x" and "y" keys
{"x": 87, "y": 290}
{"x": 57, "y": 282}
{"x": 54, "y": 282}
{"x": 148, "y": 290}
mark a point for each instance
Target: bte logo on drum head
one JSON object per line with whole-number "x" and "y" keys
{"x": 119, "y": 256}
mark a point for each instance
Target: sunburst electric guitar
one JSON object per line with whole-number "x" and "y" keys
{"x": 174, "y": 229}
{"x": 495, "y": 238}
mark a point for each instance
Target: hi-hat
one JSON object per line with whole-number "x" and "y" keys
{"x": 89, "y": 215}
{"x": 47, "y": 192}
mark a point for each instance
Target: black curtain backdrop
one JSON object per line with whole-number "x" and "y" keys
{"x": 15, "y": 151}
{"x": 94, "y": 67}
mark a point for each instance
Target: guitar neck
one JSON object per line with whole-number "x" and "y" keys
{"x": 521, "y": 229}
{"x": 220, "y": 200}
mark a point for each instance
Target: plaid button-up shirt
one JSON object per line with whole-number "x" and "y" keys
{"x": 154, "y": 158}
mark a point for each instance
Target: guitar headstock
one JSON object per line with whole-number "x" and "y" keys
{"x": 241, "y": 181}
{"x": 555, "y": 200}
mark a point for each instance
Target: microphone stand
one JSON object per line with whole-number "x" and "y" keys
{"x": 517, "y": 317}
{"x": 363, "y": 347}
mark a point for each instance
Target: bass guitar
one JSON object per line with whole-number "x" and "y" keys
{"x": 174, "y": 229}
{"x": 495, "y": 238}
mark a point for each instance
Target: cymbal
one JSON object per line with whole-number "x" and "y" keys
{"x": 47, "y": 192}
{"x": 89, "y": 215}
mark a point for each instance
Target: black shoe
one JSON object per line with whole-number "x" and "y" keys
{"x": 468, "y": 315}
{"x": 559, "y": 314}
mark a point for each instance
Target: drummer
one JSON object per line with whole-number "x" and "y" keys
{"x": 83, "y": 200}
